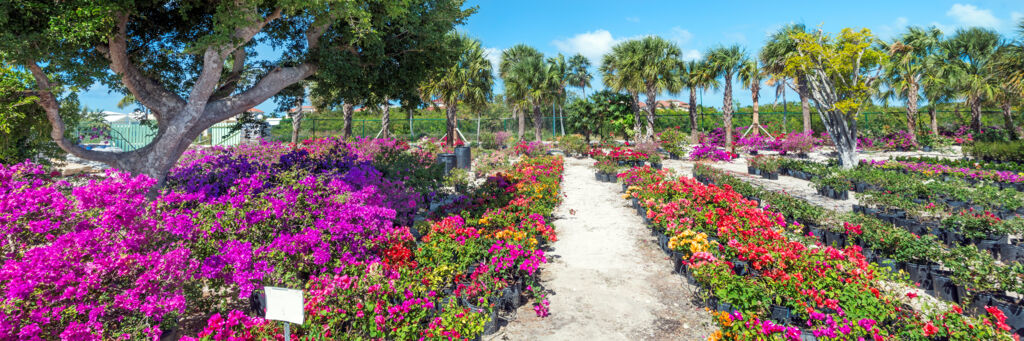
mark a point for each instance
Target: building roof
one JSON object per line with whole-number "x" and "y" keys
{"x": 254, "y": 111}
{"x": 667, "y": 104}
{"x": 305, "y": 108}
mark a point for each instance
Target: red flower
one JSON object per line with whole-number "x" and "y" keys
{"x": 911, "y": 295}
{"x": 929, "y": 329}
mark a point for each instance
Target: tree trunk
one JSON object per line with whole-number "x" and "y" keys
{"x": 934, "y": 119}
{"x": 755, "y": 118}
{"x": 450, "y": 124}
{"x": 652, "y": 104}
{"x": 727, "y": 110}
{"x": 408, "y": 113}
{"x": 347, "y": 109}
{"x": 805, "y": 105}
{"x": 385, "y": 120}
{"x": 1008, "y": 120}
{"x": 841, "y": 127}
{"x": 637, "y": 119}
{"x": 522, "y": 123}
{"x": 536, "y": 123}
{"x": 297, "y": 120}
{"x": 975, "y": 104}
{"x": 693, "y": 115}
{"x": 296, "y": 126}
{"x": 956, "y": 113}
{"x": 912, "y": 112}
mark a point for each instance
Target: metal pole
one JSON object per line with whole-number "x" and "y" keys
{"x": 287, "y": 331}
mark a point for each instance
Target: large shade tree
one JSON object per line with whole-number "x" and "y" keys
{"x": 525, "y": 75}
{"x": 467, "y": 81}
{"x": 779, "y": 48}
{"x": 909, "y": 56}
{"x": 842, "y": 73}
{"x": 650, "y": 65}
{"x": 726, "y": 61}
{"x": 184, "y": 60}
{"x": 972, "y": 55}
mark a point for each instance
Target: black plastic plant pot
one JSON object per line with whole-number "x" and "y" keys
{"x": 781, "y": 314}
{"x": 726, "y": 307}
{"x": 943, "y": 286}
{"x": 751, "y": 170}
{"x": 491, "y": 326}
{"x": 844, "y": 195}
{"x": 598, "y": 176}
{"x": 463, "y": 157}
{"x": 448, "y": 160}
{"x": 624, "y": 188}
{"x": 807, "y": 335}
{"x": 1008, "y": 253}
{"x": 741, "y": 267}
{"x": 773, "y": 176}
{"x": 656, "y": 165}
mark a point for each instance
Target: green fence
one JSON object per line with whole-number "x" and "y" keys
{"x": 132, "y": 136}
{"x": 470, "y": 128}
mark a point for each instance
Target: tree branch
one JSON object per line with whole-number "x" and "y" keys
{"x": 146, "y": 90}
{"x": 231, "y": 82}
{"x": 267, "y": 87}
{"x": 52, "y": 108}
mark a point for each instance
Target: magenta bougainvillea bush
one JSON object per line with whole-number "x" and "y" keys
{"x": 101, "y": 260}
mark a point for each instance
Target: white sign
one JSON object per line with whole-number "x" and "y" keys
{"x": 284, "y": 304}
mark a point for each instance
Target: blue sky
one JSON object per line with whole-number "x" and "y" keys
{"x": 592, "y": 27}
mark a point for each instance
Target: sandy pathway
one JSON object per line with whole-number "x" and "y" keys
{"x": 607, "y": 278}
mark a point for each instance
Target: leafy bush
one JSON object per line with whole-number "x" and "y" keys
{"x": 674, "y": 141}
{"x": 574, "y": 144}
{"x": 997, "y": 151}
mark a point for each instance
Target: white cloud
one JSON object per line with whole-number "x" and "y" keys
{"x": 896, "y": 27}
{"x": 592, "y": 45}
{"x": 494, "y": 55}
{"x": 946, "y": 29}
{"x": 681, "y": 35}
{"x": 691, "y": 55}
{"x": 1016, "y": 17}
{"x": 633, "y": 19}
{"x": 970, "y": 15}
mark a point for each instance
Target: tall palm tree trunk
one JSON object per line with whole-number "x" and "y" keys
{"x": 693, "y": 114}
{"x": 805, "y": 102}
{"x": 450, "y": 124}
{"x": 522, "y": 122}
{"x": 912, "y": 112}
{"x": 727, "y": 111}
{"x": 652, "y": 103}
{"x": 409, "y": 112}
{"x": 935, "y": 119}
{"x": 347, "y": 109}
{"x": 1008, "y": 120}
{"x": 756, "y": 116}
{"x": 536, "y": 123}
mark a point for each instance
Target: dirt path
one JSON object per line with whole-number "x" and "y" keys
{"x": 607, "y": 278}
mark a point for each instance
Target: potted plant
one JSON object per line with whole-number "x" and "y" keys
{"x": 770, "y": 168}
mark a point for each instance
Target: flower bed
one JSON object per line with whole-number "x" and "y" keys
{"x": 100, "y": 261}
{"x": 964, "y": 274}
{"x": 769, "y": 284}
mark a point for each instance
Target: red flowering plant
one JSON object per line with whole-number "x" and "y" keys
{"x": 819, "y": 281}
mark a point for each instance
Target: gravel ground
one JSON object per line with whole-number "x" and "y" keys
{"x": 607, "y": 279}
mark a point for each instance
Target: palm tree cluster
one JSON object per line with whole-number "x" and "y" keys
{"x": 976, "y": 66}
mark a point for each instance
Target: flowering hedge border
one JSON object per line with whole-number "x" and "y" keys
{"x": 753, "y": 266}
{"x": 100, "y": 261}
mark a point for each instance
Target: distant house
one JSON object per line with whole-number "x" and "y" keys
{"x": 667, "y": 104}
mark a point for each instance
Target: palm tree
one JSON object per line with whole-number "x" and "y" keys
{"x": 781, "y": 47}
{"x": 557, "y": 80}
{"x": 697, "y": 75}
{"x": 579, "y": 72}
{"x": 654, "y": 64}
{"x": 726, "y": 62}
{"x": 750, "y": 75}
{"x": 971, "y": 53}
{"x": 468, "y": 81}
{"x": 615, "y": 77}
{"x": 908, "y": 57}
{"x": 522, "y": 67}
{"x": 1010, "y": 68}
{"x": 936, "y": 88}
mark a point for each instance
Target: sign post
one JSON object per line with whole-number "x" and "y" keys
{"x": 284, "y": 305}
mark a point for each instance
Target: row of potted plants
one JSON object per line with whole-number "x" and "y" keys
{"x": 964, "y": 162}
{"x": 765, "y": 166}
{"x": 961, "y": 273}
{"x": 1003, "y": 179}
{"x": 753, "y": 266}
